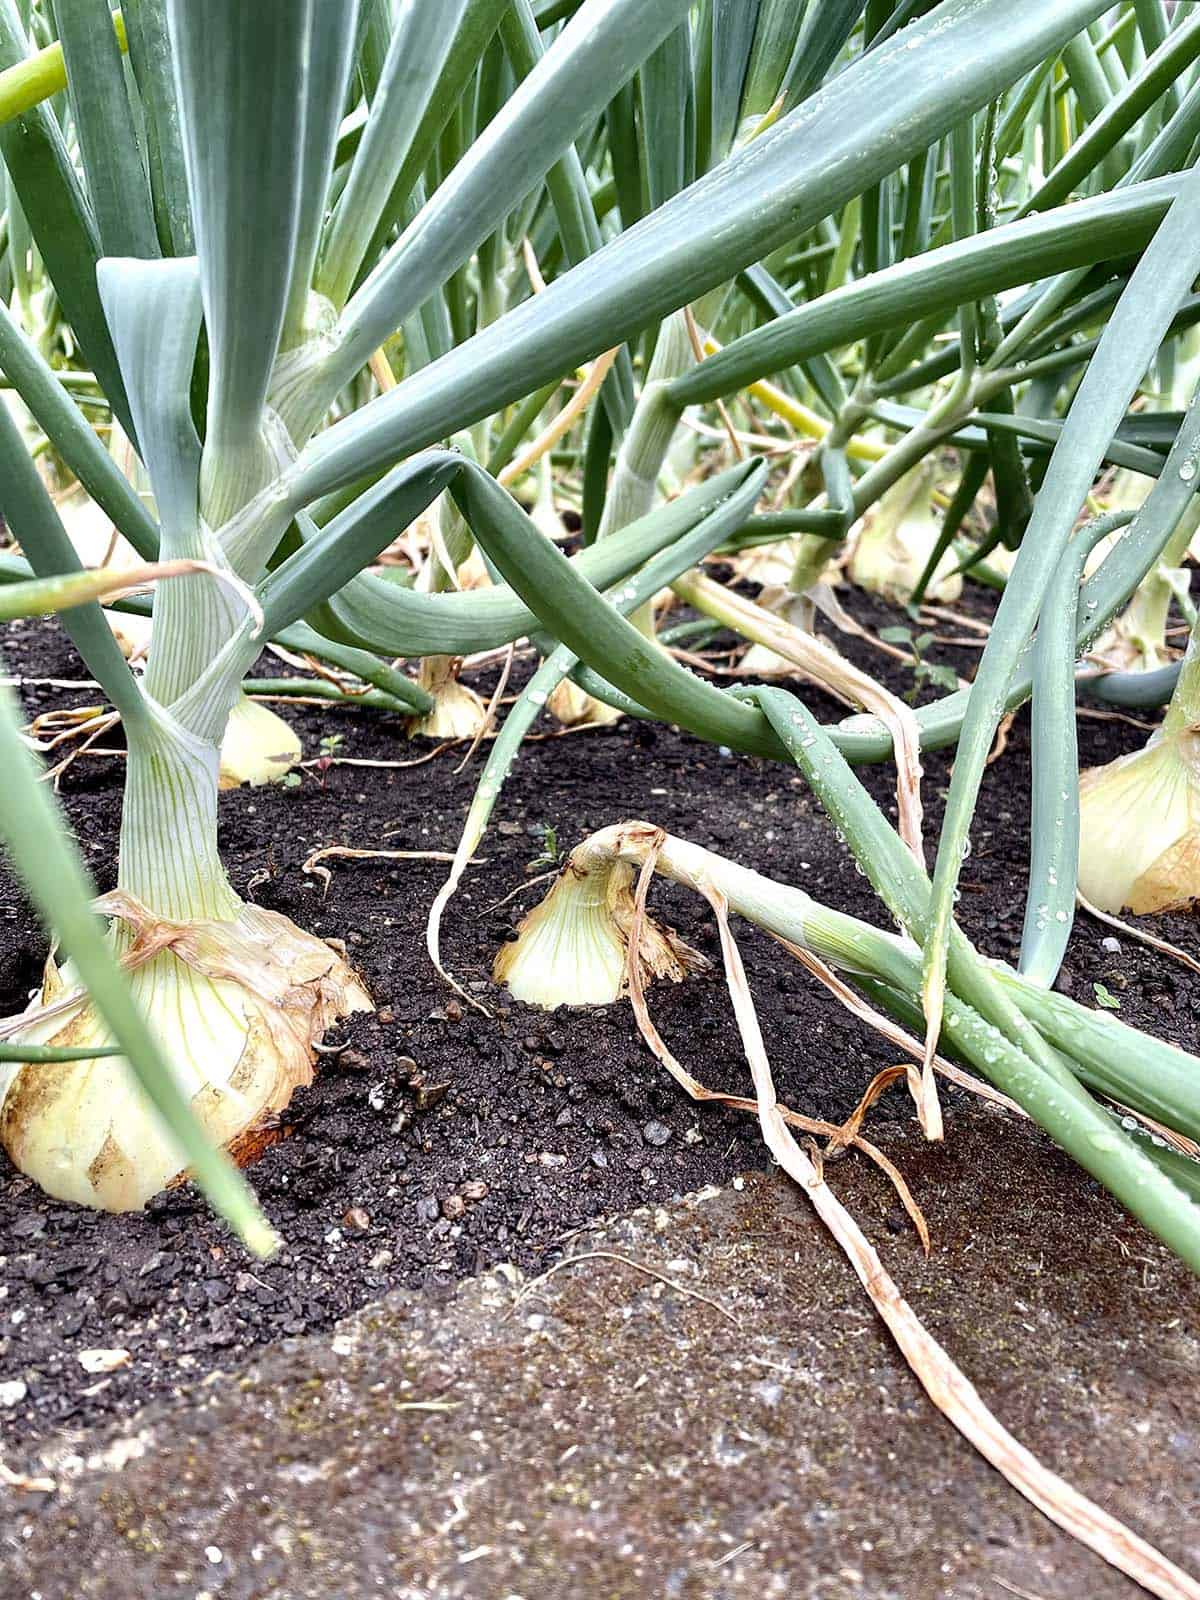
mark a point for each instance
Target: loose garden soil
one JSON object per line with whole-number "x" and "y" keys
{"x": 441, "y": 1141}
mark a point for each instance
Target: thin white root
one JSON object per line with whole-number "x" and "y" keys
{"x": 312, "y": 865}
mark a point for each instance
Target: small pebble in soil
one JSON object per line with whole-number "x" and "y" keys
{"x": 103, "y": 1360}
{"x": 656, "y": 1133}
{"x": 1111, "y": 946}
{"x": 357, "y": 1219}
{"x": 427, "y": 1208}
{"x": 429, "y": 1094}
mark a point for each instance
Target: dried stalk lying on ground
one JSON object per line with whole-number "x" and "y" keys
{"x": 591, "y": 912}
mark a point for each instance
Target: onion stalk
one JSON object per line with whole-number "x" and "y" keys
{"x": 570, "y": 950}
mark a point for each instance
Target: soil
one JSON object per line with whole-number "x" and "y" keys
{"x": 441, "y": 1141}
{"x": 698, "y": 1404}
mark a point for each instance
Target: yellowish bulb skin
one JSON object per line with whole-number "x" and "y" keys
{"x": 896, "y": 539}
{"x": 473, "y": 572}
{"x": 237, "y": 1008}
{"x": 571, "y": 949}
{"x": 1139, "y": 824}
{"x": 575, "y": 708}
{"x": 458, "y": 713}
{"x": 259, "y": 747}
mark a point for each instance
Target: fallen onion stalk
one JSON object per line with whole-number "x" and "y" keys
{"x": 947, "y": 1386}
{"x": 569, "y": 951}
{"x": 818, "y": 662}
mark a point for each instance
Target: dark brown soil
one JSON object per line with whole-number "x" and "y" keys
{"x": 546, "y": 1122}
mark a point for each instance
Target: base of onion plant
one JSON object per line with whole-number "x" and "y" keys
{"x": 259, "y": 746}
{"x": 237, "y": 995}
{"x": 458, "y": 712}
{"x": 573, "y": 707}
{"x": 787, "y": 573}
{"x": 896, "y": 539}
{"x": 1136, "y": 641}
{"x": 1139, "y": 816}
{"x": 572, "y": 948}
{"x": 543, "y": 513}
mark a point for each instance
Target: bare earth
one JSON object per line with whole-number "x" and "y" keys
{"x": 746, "y": 1428}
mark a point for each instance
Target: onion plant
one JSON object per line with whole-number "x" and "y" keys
{"x": 1009, "y": 377}
{"x": 220, "y": 364}
{"x": 297, "y": 252}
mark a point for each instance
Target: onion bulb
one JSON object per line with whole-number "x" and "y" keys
{"x": 1139, "y": 827}
{"x": 458, "y": 712}
{"x": 571, "y": 949}
{"x": 1139, "y": 817}
{"x": 258, "y": 747}
{"x": 896, "y": 539}
{"x": 237, "y": 1007}
{"x": 1136, "y": 641}
{"x": 575, "y": 708}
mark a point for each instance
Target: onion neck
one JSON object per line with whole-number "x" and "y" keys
{"x": 1183, "y": 713}
{"x": 168, "y": 856}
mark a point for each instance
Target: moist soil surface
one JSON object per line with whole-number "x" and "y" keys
{"x": 441, "y": 1141}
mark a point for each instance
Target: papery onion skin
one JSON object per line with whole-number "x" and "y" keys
{"x": 571, "y": 948}
{"x": 259, "y": 747}
{"x": 1139, "y": 822}
{"x": 238, "y": 1008}
{"x": 458, "y": 712}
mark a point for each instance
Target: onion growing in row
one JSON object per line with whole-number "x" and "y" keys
{"x": 297, "y": 287}
{"x": 1139, "y": 816}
